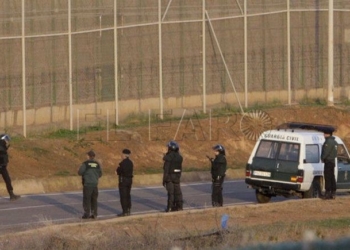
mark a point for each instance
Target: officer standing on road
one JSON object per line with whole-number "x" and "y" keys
{"x": 4, "y": 160}
{"x": 218, "y": 170}
{"x": 91, "y": 171}
{"x": 125, "y": 173}
{"x": 328, "y": 156}
{"x": 171, "y": 177}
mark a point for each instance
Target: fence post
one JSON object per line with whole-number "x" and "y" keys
{"x": 160, "y": 58}
{"x": 330, "y": 99}
{"x": 288, "y": 54}
{"x": 203, "y": 60}
{"x": 245, "y": 55}
{"x": 24, "y": 72}
{"x": 70, "y": 64}
{"x": 116, "y": 64}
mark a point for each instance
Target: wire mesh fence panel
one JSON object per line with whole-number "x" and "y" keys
{"x": 45, "y": 17}
{"x": 92, "y": 15}
{"x": 258, "y": 6}
{"x": 86, "y": 71}
{"x": 181, "y": 10}
{"x": 341, "y": 5}
{"x": 181, "y": 45}
{"x": 46, "y": 68}
{"x": 138, "y": 62}
{"x": 309, "y": 5}
{"x": 51, "y": 51}
{"x": 137, "y": 12}
{"x": 11, "y": 21}
{"x": 11, "y": 78}
{"x": 224, "y": 8}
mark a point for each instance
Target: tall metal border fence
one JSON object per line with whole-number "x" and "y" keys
{"x": 71, "y": 52}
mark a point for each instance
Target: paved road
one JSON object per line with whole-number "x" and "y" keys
{"x": 36, "y": 210}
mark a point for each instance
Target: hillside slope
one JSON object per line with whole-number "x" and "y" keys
{"x": 43, "y": 157}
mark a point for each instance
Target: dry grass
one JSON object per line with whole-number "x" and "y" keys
{"x": 151, "y": 237}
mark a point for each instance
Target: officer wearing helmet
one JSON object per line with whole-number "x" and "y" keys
{"x": 218, "y": 170}
{"x": 171, "y": 176}
{"x": 4, "y": 160}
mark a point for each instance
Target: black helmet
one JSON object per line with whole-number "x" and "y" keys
{"x": 5, "y": 137}
{"x": 219, "y": 148}
{"x": 173, "y": 146}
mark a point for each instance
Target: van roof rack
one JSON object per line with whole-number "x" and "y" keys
{"x": 308, "y": 126}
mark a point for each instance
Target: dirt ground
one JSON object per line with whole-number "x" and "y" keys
{"x": 44, "y": 157}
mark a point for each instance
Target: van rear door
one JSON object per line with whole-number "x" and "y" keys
{"x": 276, "y": 160}
{"x": 343, "y": 180}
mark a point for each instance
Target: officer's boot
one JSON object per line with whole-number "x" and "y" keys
{"x": 128, "y": 212}
{"x": 169, "y": 208}
{"x": 328, "y": 195}
{"x": 215, "y": 204}
{"x": 124, "y": 213}
{"x": 13, "y": 197}
{"x": 179, "y": 206}
{"x": 174, "y": 208}
{"x": 333, "y": 194}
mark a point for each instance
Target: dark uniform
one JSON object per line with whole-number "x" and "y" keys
{"x": 171, "y": 177}
{"x": 218, "y": 170}
{"x": 125, "y": 173}
{"x": 4, "y": 160}
{"x": 329, "y": 153}
{"x": 91, "y": 171}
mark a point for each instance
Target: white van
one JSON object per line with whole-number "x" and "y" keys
{"x": 286, "y": 161}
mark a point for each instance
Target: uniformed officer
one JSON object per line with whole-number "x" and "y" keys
{"x": 328, "y": 156}
{"x": 90, "y": 171}
{"x": 4, "y": 160}
{"x": 125, "y": 173}
{"x": 172, "y": 175}
{"x": 218, "y": 170}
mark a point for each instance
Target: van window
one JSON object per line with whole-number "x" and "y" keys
{"x": 267, "y": 149}
{"x": 312, "y": 154}
{"x": 289, "y": 152}
{"x": 342, "y": 154}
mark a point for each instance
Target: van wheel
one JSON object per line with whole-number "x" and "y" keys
{"x": 262, "y": 198}
{"x": 314, "y": 191}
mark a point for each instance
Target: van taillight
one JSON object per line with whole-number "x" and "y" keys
{"x": 300, "y": 177}
{"x": 247, "y": 170}
{"x": 247, "y": 173}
